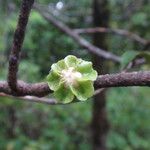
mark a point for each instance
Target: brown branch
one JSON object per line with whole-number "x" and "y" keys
{"x": 141, "y": 78}
{"x": 23, "y": 89}
{"x": 81, "y": 41}
{"x": 121, "y": 32}
{"x": 17, "y": 43}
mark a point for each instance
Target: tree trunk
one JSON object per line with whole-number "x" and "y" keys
{"x": 100, "y": 124}
{"x": 12, "y": 122}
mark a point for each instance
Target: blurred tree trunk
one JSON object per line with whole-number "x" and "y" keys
{"x": 100, "y": 124}
{"x": 12, "y": 121}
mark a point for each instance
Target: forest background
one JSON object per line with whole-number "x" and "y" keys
{"x": 32, "y": 126}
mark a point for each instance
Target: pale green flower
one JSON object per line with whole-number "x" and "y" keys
{"x": 72, "y": 77}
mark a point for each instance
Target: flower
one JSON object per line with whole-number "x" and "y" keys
{"x": 72, "y": 77}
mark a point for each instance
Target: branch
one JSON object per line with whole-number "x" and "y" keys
{"x": 33, "y": 99}
{"x": 141, "y": 78}
{"x": 23, "y": 89}
{"x": 81, "y": 41}
{"x": 43, "y": 100}
{"x": 121, "y": 32}
{"x": 17, "y": 43}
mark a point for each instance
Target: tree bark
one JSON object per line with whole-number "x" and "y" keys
{"x": 100, "y": 123}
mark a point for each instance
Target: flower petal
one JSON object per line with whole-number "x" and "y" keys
{"x": 53, "y": 80}
{"x": 71, "y": 61}
{"x": 87, "y": 71}
{"x": 59, "y": 66}
{"x": 64, "y": 94}
{"x": 83, "y": 90}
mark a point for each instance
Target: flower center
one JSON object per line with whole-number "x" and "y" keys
{"x": 70, "y": 76}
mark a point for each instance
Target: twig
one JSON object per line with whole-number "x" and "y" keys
{"x": 134, "y": 63}
{"x": 17, "y": 43}
{"x": 81, "y": 41}
{"x": 98, "y": 91}
{"x": 121, "y": 32}
{"x": 33, "y": 99}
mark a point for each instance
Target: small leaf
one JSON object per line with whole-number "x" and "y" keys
{"x": 145, "y": 55}
{"x": 127, "y": 57}
{"x": 64, "y": 94}
{"x": 87, "y": 71}
{"x": 53, "y": 80}
{"x": 83, "y": 90}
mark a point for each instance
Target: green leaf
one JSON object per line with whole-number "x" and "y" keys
{"x": 87, "y": 71}
{"x": 71, "y": 61}
{"x": 53, "y": 80}
{"x": 145, "y": 55}
{"x": 59, "y": 66}
{"x": 83, "y": 90}
{"x": 127, "y": 57}
{"x": 64, "y": 94}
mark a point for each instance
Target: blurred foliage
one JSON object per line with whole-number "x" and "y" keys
{"x": 31, "y": 126}
{"x": 129, "y": 116}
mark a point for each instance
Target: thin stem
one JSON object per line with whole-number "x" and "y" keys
{"x": 120, "y": 32}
